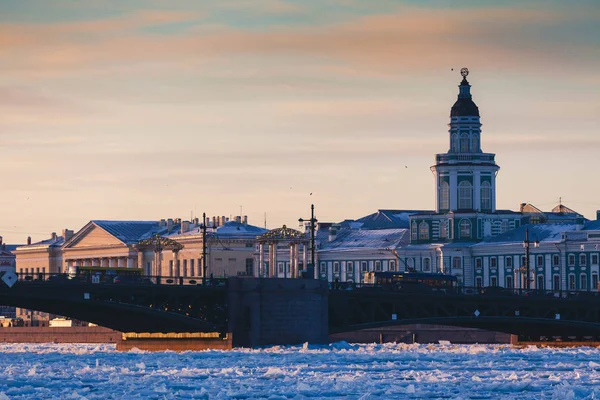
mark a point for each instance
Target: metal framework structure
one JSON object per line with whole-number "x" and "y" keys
{"x": 526, "y": 316}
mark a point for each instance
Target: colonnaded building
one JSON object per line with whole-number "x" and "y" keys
{"x": 466, "y": 235}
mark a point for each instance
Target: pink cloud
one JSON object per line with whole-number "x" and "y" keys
{"x": 391, "y": 44}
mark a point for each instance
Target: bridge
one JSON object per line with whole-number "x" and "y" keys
{"x": 286, "y": 311}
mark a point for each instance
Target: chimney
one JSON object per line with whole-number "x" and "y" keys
{"x": 67, "y": 234}
{"x": 185, "y": 226}
{"x": 597, "y": 215}
{"x": 28, "y": 239}
{"x": 196, "y": 220}
{"x": 3, "y": 246}
{"x": 522, "y": 207}
{"x": 161, "y": 223}
{"x": 238, "y": 219}
{"x": 245, "y": 220}
{"x": 53, "y": 235}
{"x": 0, "y": 239}
{"x": 333, "y": 229}
{"x": 169, "y": 224}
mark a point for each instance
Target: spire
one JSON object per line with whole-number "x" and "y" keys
{"x": 464, "y": 106}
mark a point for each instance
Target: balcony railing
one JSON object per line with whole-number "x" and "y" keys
{"x": 457, "y": 158}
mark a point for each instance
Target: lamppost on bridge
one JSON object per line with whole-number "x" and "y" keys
{"x": 310, "y": 270}
{"x": 527, "y": 243}
{"x": 204, "y": 263}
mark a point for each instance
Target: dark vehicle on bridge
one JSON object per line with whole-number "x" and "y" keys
{"x": 417, "y": 282}
{"x": 496, "y": 291}
{"x": 105, "y": 275}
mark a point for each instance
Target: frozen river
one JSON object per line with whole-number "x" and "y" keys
{"x": 390, "y": 371}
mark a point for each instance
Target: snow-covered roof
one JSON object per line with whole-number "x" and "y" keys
{"x": 592, "y": 225}
{"x": 537, "y": 232}
{"x": 51, "y": 242}
{"x": 387, "y": 219}
{"x": 238, "y": 228}
{"x": 348, "y": 239}
{"x": 131, "y": 231}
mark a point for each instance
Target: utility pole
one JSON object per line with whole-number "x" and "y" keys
{"x": 203, "y": 248}
{"x": 310, "y": 270}
{"x": 527, "y": 244}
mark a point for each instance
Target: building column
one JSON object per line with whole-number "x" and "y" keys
{"x": 477, "y": 191}
{"x": 291, "y": 275}
{"x": 70, "y": 267}
{"x": 296, "y": 261}
{"x": 274, "y": 269}
{"x": 261, "y": 259}
{"x": 453, "y": 189}
{"x": 304, "y": 257}
{"x": 177, "y": 272}
{"x": 140, "y": 260}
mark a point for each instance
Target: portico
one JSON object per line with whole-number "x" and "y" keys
{"x": 285, "y": 243}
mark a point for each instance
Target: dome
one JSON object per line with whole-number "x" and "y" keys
{"x": 464, "y": 106}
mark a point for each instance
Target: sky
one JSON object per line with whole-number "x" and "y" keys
{"x": 145, "y": 109}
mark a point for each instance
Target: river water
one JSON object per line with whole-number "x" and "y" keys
{"x": 336, "y": 371}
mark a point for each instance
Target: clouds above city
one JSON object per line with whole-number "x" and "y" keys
{"x": 261, "y": 96}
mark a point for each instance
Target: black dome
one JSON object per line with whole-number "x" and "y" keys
{"x": 464, "y": 108}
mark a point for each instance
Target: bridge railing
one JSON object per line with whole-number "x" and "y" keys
{"x": 467, "y": 290}
{"x": 121, "y": 279}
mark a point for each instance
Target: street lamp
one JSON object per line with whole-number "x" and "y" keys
{"x": 527, "y": 243}
{"x": 310, "y": 271}
{"x": 203, "y": 226}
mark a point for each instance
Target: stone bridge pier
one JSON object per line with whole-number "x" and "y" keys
{"x": 277, "y": 311}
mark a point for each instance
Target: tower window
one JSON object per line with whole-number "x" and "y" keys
{"x": 475, "y": 143}
{"x": 454, "y": 142}
{"x": 486, "y": 196}
{"x": 413, "y": 231}
{"x": 465, "y": 229}
{"x": 465, "y": 196}
{"x": 423, "y": 231}
{"x": 444, "y": 196}
{"x": 464, "y": 143}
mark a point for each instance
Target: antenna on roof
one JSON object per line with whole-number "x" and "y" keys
{"x": 265, "y": 220}
{"x": 560, "y": 201}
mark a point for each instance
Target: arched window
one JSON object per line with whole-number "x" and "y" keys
{"x": 465, "y": 229}
{"x": 486, "y": 196}
{"x": 413, "y": 231}
{"x": 443, "y": 229}
{"x": 444, "y": 196}
{"x": 423, "y": 231}
{"x": 426, "y": 265}
{"x": 465, "y": 196}
{"x": 475, "y": 143}
{"x": 464, "y": 143}
{"x": 454, "y": 142}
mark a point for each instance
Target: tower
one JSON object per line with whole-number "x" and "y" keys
{"x": 465, "y": 177}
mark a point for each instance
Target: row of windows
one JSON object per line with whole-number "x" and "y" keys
{"x": 364, "y": 266}
{"x": 465, "y": 142}
{"x": 423, "y": 230}
{"x": 539, "y": 261}
{"x": 541, "y": 282}
{"x": 28, "y": 271}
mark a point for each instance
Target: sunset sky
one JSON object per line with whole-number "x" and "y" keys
{"x": 148, "y": 109}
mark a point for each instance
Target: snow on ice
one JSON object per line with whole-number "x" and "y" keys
{"x": 339, "y": 370}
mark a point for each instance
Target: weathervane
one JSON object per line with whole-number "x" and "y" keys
{"x": 464, "y": 72}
